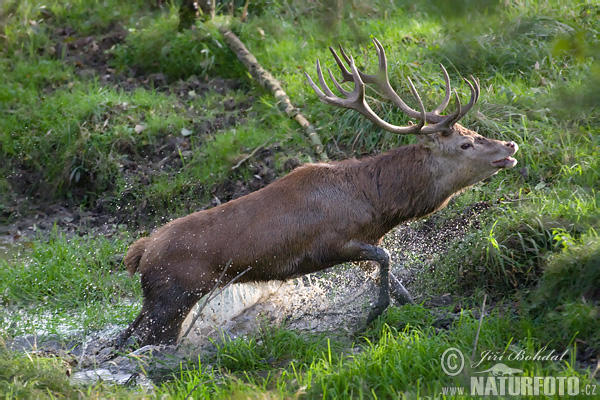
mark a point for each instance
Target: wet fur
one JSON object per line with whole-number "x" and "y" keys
{"x": 317, "y": 216}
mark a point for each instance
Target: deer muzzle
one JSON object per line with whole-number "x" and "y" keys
{"x": 508, "y": 162}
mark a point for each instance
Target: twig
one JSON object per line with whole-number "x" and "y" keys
{"x": 231, "y": 282}
{"x": 479, "y": 327}
{"x": 209, "y": 297}
{"x": 266, "y": 80}
{"x": 595, "y": 371}
{"x": 249, "y": 156}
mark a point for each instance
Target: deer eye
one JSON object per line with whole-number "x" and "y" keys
{"x": 465, "y": 146}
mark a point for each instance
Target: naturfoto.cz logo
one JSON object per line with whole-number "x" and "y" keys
{"x": 503, "y": 380}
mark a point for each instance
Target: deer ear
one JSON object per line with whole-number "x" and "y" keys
{"x": 427, "y": 140}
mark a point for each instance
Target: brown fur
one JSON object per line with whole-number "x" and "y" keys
{"x": 134, "y": 255}
{"x": 317, "y": 216}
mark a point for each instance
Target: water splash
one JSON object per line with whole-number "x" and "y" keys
{"x": 323, "y": 301}
{"x": 337, "y": 299}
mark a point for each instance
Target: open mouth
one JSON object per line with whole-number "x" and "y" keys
{"x": 507, "y": 162}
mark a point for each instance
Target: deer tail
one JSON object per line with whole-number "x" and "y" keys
{"x": 134, "y": 255}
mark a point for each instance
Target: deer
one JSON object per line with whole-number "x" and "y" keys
{"x": 320, "y": 214}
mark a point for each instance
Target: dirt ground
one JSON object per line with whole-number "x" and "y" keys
{"x": 31, "y": 214}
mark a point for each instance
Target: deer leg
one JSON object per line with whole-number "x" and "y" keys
{"x": 358, "y": 251}
{"x": 121, "y": 340}
{"x": 163, "y": 315}
{"x": 397, "y": 290}
{"x": 166, "y": 304}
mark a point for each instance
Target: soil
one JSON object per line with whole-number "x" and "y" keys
{"x": 28, "y": 214}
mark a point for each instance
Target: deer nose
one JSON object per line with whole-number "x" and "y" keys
{"x": 512, "y": 145}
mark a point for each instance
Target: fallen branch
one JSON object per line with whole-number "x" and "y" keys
{"x": 266, "y": 80}
{"x": 249, "y": 156}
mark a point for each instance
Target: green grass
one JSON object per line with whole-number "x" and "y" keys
{"x": 30, "y": 377}
{"x": 399, "y": 356}
{"x": 67, "y": 273}
{"x": 156, "y": 45}
{"x": 69, "y": 136}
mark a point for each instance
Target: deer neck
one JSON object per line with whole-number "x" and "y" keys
{"x": 410, "y": 183}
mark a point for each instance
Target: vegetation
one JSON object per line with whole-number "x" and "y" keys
{"x": 118, "y": 109}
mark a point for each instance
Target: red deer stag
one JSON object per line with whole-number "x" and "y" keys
{"x": 319, "y": 215}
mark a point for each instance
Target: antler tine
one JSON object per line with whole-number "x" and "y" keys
{"x": 474, "y": 97}
{"x": 325, "y": 95}
{"x": 421, "y": 106}
{"x": 324, "y": 86}
{"x": 345, "y": 73}
{"x": 317, "y": 90}
{"x": 355, "y": 100}
{"x": 446, "y": 100}
{"x": 447, "y": 121}
{"x": 337, "y": 85}
{"x": 477, "y": 88}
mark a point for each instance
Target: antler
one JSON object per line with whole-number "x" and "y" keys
{"x": 355, "y": 100}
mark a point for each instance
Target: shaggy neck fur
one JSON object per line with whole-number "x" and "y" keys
{"x": 406, "y": 183}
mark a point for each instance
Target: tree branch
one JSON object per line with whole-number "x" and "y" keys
{"x": 266, "y": 80}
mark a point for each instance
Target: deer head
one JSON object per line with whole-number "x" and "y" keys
{"x": 469, "y": 156}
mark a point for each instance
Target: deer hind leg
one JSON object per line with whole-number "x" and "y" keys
{"x": 121, "y": 340}
{"x": 166, "y": 304}
{"x": 164, "y": 315}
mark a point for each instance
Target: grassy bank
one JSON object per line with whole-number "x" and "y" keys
{"x": 120, "y": 110}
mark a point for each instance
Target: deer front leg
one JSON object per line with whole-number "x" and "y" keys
{"x": 358, "y": 251}
{"x": 397, "y": 290}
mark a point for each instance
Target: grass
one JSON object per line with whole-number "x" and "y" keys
{"x": 399, "y": 356}
{"x": 156, "y": 45}
{"x": 67, "y": 271}
{"x": 69, "y": 133}
{"x": 24, "y": 376}
{"x": 63, "y": 284}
